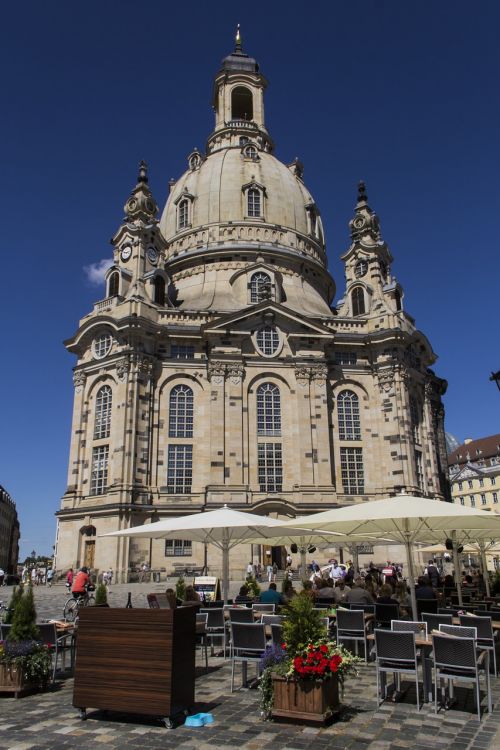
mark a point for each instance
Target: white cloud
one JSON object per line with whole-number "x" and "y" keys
{"x": 95, "y": 272}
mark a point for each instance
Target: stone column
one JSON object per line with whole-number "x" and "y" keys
{"x": 233, "y": 434}
{"x": 320, "y": 432}
{"x": 305, "y": 444}
{"x": 216, "y": 376}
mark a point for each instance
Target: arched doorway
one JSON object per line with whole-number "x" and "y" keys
{"x": 265, "y": 553}
{"x": 87, "y": 535}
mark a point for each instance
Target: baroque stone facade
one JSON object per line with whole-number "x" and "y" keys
{"x": 9, "y": 533}
{"x": 216, "y": 369}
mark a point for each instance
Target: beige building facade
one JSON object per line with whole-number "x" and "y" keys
{"x": 217, "y": 370}
{"x": 474, "y": 470}
{"x": 9, "y": 533}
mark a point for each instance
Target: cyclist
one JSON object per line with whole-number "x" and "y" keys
{"x": 80, "y": 583}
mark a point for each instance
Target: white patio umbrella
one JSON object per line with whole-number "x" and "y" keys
{"x": 303, "y": 538}
{"x": 406, "y": 519}
{"x": 224, "y": 528}
{"x": 482, "y": 547}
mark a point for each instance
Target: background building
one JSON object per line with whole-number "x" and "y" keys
{"x": 474, "y": 470}
{"x": 216, "y": 370}
{"x": 9, "y": 533}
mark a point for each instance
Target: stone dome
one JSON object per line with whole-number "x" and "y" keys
{"x": 216, "y": 190}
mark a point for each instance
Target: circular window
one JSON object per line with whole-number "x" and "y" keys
{"x": 268, "y": 340}
{"x": 360, "y": 268}
{"x": 101, "y": 345}
{"x": 250, "y": 152}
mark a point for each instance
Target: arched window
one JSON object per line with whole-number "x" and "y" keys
{"x": 114, "y": 284}
{"x": 260, "y": 287}
{"x": 180, "y": 424}
{"x": 250, "y": 152}
{"x": 254, "y": 202}
{"x": 358, "y": 301}
{"x": 159, "y": 290}
{"x": 183, "y": 214}
{"x": 103, "y": 403}
{"x": 348, "y": 416}
{"x": 268, "y": 410}
{"x": 268, "y": 340}
{"x": 241, "y": 104}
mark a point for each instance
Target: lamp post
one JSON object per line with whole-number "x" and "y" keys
{"x": 495, "y": 376}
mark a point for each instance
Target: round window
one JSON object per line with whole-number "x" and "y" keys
{"x": 101, "y": 345}
{"x": 268, "y": 340}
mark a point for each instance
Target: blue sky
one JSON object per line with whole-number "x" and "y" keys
{"x": 401, "y": 94}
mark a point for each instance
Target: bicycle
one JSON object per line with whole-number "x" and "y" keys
{"x": 73, "y": 606}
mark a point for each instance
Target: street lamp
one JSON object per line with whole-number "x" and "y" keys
{"x": 496, "y": 377}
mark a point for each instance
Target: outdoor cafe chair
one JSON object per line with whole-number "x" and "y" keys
{"x": 248, "y": 643}
{"x": 385, "y": 613}
{"x": 426, "y": 605}
{"x": 240, "y": 614}
{"x": 48, "y": 636}
{"x": 350, "y": 626}
{"x": 268, "y": 608}
{"x": 268, "y": 619}
{"x": 153, "y": 602}
{"x": 456, "y": 659}
{"x": 276, "y": 634}
{"x": 201, "y": 618}
{"x": 395, "y": 652}
{"x": 484, "y": 630}
{"x": 459, "y": 631}
{"x": 368, "y": 609}
{"x": 434, "y": 621}
{"x": 410, "y": 626}
{"x": 216, "y": 625}
{"x": 453, "y": 611}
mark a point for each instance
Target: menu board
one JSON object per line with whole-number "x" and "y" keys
{"x": 208, "y": 587}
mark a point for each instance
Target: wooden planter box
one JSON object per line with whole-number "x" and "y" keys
{"x": 135, "y": 660}
{"x": 305, "y": 700}
{"x": 12, "y": 681}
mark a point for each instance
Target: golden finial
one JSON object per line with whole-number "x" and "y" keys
{"x": 238, "y": 38}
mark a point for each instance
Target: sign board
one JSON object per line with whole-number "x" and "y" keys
{"x": 208, "y": 587}
{"x": 365, "y": 549}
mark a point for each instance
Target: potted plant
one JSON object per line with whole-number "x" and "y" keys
{"x": 180, "y": 589}
{"x": 25, "y": 662}
{"x": 101, "y": 596}
{"x": 301, "y": 678}
{"x": 252, "y": 586}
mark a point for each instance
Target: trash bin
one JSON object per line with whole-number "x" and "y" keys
{"x": 156, "y": 576}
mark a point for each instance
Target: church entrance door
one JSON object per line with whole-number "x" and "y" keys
{"x": 89, "y": 554}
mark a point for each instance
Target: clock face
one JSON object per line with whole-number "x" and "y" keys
{"x": 152, "y": 255}
{"x": 126, "y": 252}
{"x": 360, "y": 268}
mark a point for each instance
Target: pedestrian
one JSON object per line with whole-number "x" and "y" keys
{"x": 69, "y": 579}
{"x": 249, "y": 570}
{"x": 269, "y": 573}
{"x": 289, "y": 561}
{"x": 144, "y": 572}
{"x": 433, "y": 574}
{"x": 275, "y": 571}
{"x": 50, "y": 576}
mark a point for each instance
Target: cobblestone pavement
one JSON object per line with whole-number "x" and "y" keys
{"x": 47, "y": 721}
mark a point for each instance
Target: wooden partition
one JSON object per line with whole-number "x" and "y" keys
{"x": 136, "y": 660}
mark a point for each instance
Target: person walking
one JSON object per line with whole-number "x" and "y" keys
{"x": 275, "y": 571}
{"x": 269, "y": 573}
{"x": 69, "y": 579}
{"x": 50, "y": 576}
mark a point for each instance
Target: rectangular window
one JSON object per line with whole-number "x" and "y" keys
{"x": 495, "y": 497}
{"x": 472, "y": 501}
{"x": 178, "y": 547}
{"x": 493, "y": 480}
{"x": 346, "y": 358}
{"x": 469, "y": 482}
{"x": 99, "y": 479}
{"x": 462, "y": 501}
{"x": 351, "y": 466}
{"x": 460, "y": 486}
{"x": 179, "y": 469}
{"x": 419, "y": 469}
{"x": 483, "y": 499}
{"x": 481, "y": 482}
{"x": 270, "y": 467}
{"x": 181, "y": 351}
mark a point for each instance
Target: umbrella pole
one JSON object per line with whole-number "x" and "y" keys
{"x": 484, "y": 566}
{"x": 456, "y": 565}
{"x": 411, "y": 577}
{"x": 225, "y": 566}
{"x": 303, "y": 560}
{"x": 355, "y": 560}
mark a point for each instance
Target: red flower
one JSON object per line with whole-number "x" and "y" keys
{"x": 283, "y": 645}
{"x": 323, "y": 649}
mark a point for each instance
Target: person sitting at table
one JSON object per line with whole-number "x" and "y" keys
{"x": 191, "y": 596}
{"x": 307, "y": 588}
{"x": 288, "y": 590}
{"x": 402, "y": 595}
{"x": 467, "y": 582}
{"x": 424, "y": 589}
{"x": 371, "y": 586}
{"x": 385, "y": 595}
{"x": 325, "y": 589}
{"x": 243, "y": 597}
{"x": 271, "y": 596}
{"x": 172, "y": 599}
{"x": 358, "y": 594}
{"x": 340, "y": 590}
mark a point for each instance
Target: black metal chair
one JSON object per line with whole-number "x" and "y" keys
{"x": 201, "y": 619}
{"x": 268, "y": 619}
{"x": 410, "y": 626}
{"x": 240, "y": 614}
{"x": 426, "y": 605}
{"x": 367, "y": 608}
{"x": 385, "y": 613}
{"x": 453, "y": 611}
{"x": 248, "y": 643}
{"x": 396, "y": 653}
{"x": 48, "y": 636}
{"x": 459, "y": 631}
{"x": 434, "y": 621}
{"x": 216, "y": 626}
{"x": 267, "y": 608}
{"x": 456, "y": 659}
{"x": 351, "y": 626}
{"x": 276, "y": 634}
{"x": 485, "y": 638}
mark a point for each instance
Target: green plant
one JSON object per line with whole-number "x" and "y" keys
{"x": 30, "y": 657}
{"x": 302, "y": 624}
{"x": 252, "y": 586}
{"x": 101, "y": 595}
{"x": 180, "y": 589}
{"x": 24, "y": 627}
{"x": 16, "y": 595}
